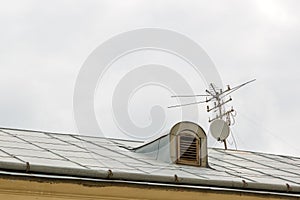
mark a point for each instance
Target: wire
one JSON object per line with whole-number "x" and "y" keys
{"x": 235, "y": 144}
{"x": 234, "y": 113}
{"x": 239, "y": 139}
{"x": 232, "y": 117}
{"x": 269, "y": 132}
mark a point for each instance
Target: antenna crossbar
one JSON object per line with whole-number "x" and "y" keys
{"x": 217, "y": 106}
{"x": 222, "y": 115}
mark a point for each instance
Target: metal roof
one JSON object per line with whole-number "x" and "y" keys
{"x": 95, "y": 157}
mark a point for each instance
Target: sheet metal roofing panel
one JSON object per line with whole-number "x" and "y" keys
{"x": 62, "y": 147}
{"x": 50, "y": 152}
{"x": 50, "y": 162}
{"x": 128, "y": 143}
{"x": 25, "y": 133}
{"x": 9, "y": 159}
{"x": 7, "y": 138}
{"x": 29, "y": 152}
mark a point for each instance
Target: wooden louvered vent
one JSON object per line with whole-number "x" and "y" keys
{"x": 188, "y": 150}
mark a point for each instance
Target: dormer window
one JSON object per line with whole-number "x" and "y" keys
{"x": 188, "y": 149}
{"x": 188, "y": 144}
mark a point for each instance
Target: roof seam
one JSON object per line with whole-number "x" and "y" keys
{"x": 48, "y": 150}
{"x": 257, "y": 171}
{"x": 274, "y": 159}
{"x": 232, "y": 173}
{"x": 117, "y": 153}
{"x": 88, "y": 151}
{"x": 261, "y": 163}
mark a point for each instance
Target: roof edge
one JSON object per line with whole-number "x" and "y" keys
{"x": 112, "y": 175}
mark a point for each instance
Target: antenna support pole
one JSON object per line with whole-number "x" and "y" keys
{"x": 225, "y": 144}
{"x": 219, "y": 105}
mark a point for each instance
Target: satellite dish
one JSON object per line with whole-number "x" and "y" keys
{"x": 219, "y": 129}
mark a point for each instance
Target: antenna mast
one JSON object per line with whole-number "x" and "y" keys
{"x": 219, "y": 98}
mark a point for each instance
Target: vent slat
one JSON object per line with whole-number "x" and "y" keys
{"x": 188, "y": 149}
{"x": 188, "y": 145}
{"x": 189, "y": 157}
{"x": 188, "y": 153}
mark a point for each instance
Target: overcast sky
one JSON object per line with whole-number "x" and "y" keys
{"x": 45, "y": 43}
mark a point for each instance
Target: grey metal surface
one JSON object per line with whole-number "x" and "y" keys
{"x": 92, "y": 157}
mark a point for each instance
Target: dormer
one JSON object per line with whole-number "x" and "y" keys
{"x": 189, "y": 144}
{"x": 185, "y": 144}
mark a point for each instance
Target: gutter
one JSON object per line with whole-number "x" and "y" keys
{"x": 110, "y": 175}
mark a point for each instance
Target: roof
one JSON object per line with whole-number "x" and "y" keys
{"x": 102, "y": 158}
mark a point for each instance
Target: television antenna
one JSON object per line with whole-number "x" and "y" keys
{"x": 223, "y": 119}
